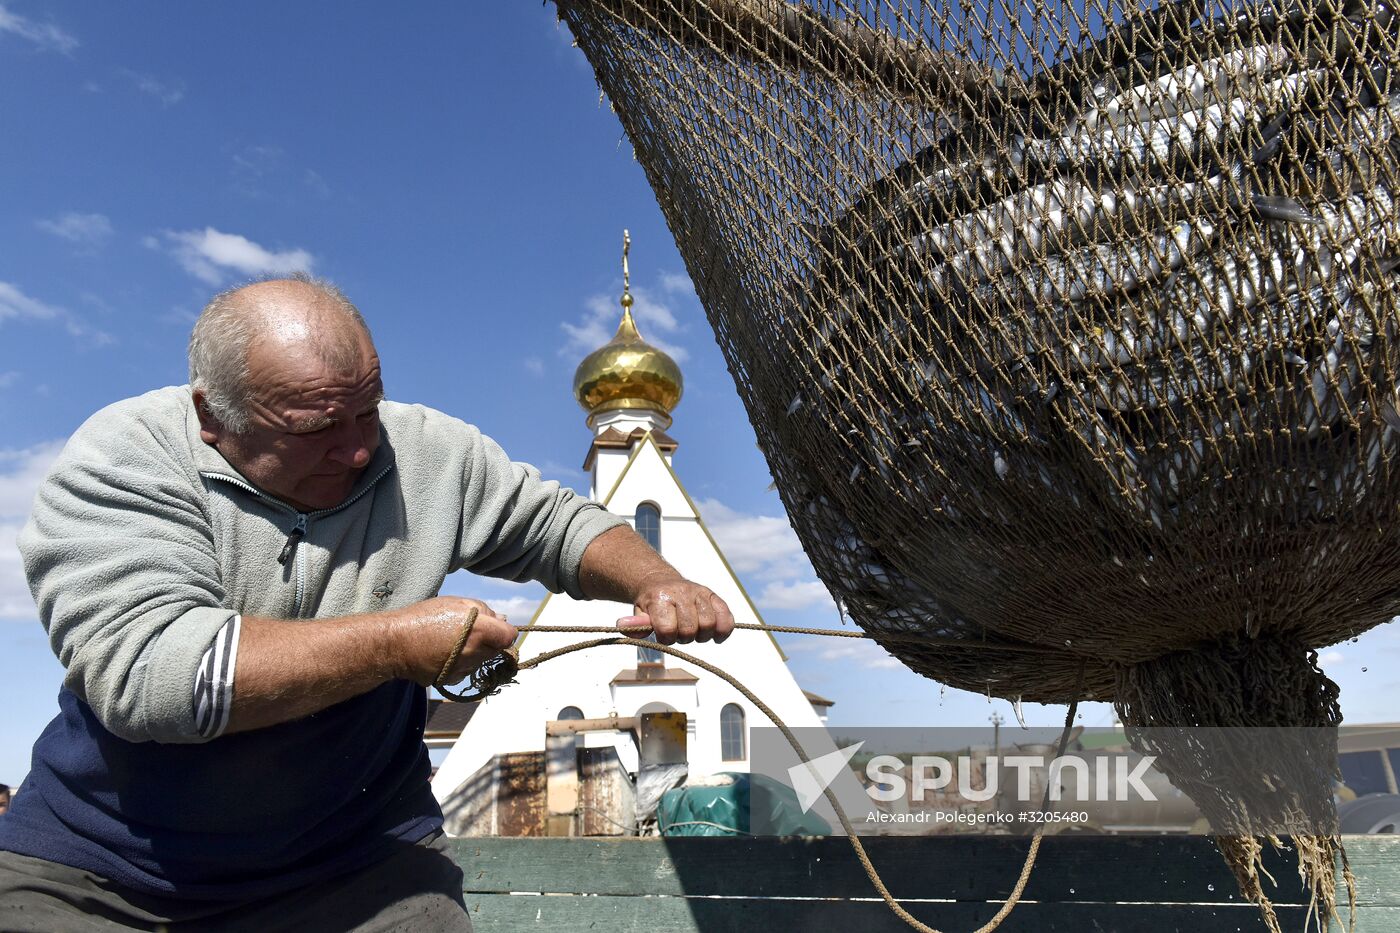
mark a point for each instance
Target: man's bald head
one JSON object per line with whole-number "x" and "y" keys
{"x": 284, "y": 319}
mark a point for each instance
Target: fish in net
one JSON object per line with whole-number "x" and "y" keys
{"x": 1069, "y": 333}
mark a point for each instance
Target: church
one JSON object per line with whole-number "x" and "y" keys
{"x": 628, "y": 389}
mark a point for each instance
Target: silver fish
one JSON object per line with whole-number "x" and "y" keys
{"x": 1189, "y": 88}
{"x": 1149, "y": 147}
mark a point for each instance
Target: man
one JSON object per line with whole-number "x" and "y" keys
{"x": 4, "y": 798}
{"x": 239, "y": 577}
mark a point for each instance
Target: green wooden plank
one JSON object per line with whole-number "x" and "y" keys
{"x": 1171, "y": 869}
{"x": 502, "y": 913}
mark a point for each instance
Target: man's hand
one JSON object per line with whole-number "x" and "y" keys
{"x": 289, "y": 669}
{"x": 428, "y": 631}
{"x": 678, "y": 610}
{"x": 619, "y": 565}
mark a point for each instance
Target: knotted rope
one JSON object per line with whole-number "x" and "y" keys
{"x": 502, "y": 669}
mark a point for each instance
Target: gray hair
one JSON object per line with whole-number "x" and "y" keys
{"x": 224, "y": 334}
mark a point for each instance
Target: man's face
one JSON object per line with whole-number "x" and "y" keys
{"x": 313, "y": 429}
{"x": 4, "y": 801}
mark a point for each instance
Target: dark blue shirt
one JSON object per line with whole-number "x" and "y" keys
{"x": 241, "y": 817}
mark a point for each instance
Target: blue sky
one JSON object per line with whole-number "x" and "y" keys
{"x": 451, "y": 166}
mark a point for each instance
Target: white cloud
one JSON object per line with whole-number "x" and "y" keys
{"x": 1332, "y": 657}
{"x": 97, "y": 301}
{"x": 534, "y": 365}
{"x": 167, "y": 92}
{"x": 766, "y": 549}
{"x": 254, "y": 166}
{"x": 259, "y": 160}
{"x": 16, "y": 305}
{"x": 553, "y": 469}
{"x": 861, "y": 652}
{"x": 8, "y": 378}
{"x": 209, "y": 255}
{"x": 84, "y": 229}
{"x": 266, "y": 170}
{"x": 21, "y": 471}
{"x": 804, "y": 594}
{"x": 764, "y": 546}
{"x": 46, "y": 36}
{"x": 676, "y": 283}
{"x": 516, "y": 601}
{"x": 656, "y": 320}
{"x": 313, "y": 180}
{"x": 516, "y": 609}
{"x": 179, "y": 317}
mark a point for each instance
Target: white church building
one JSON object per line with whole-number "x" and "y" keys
{"x": 629, "y": 389}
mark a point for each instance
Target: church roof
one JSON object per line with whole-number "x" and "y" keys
{"x": 613, "y": 439}
{"x": 653, "y": 435}
{"x": 817, "y": 699}
{"x": 654, "y": 674}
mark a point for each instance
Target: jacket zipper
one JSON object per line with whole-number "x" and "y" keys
{"x": 299, "y": 530}
{"x": 296, "y": 534}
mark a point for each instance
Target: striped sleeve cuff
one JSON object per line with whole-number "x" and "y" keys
{"x": 213, "y": 684}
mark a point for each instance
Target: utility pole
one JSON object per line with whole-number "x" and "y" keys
{"x": 996, "y": 721}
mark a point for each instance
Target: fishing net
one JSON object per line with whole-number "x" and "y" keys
{"x": 1068, "y": 331}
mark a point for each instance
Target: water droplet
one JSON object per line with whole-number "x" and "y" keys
{"x": 1071, "y": 890}
{"x": 1020, "y": 713}
{"x": 1210, "y": 887}
{"x": 1363, "y": 670}
{"x": 1068, "y": 642}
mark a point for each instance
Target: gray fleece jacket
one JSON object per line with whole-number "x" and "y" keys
{"x": 144, "y": 542}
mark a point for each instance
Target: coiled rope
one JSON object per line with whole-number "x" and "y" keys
{"x": 502, "y": 669}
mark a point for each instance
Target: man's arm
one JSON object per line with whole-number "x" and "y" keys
{"x": 120, "y": 556}
{"x": 514, "y": 526}
{"x": 287, "y": 670}
{"x": 290, "y": 669}
{"x": 619, "y": 565}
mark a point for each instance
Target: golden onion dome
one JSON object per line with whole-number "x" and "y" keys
{"x": 627, "y": 372}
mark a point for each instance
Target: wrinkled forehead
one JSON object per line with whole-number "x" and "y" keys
{"x": 298, "y": 362}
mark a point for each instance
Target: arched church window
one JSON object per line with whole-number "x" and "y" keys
{"x": 570, "y": 712}
{"x": 733, "y": 736}
{"x": 650, "y": 655}
{"x": 649, "y": 525}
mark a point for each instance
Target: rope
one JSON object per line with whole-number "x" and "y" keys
{"x": 910, "y": 637}
{"x": 457, "y": 648}
{"x": 500, "y": 670}
{"x": 488, "y": 678}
